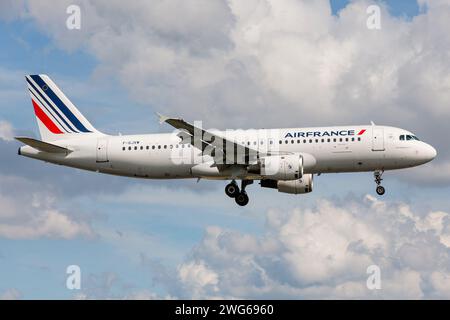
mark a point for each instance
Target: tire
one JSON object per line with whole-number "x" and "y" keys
{"x": 231, "y": 190}
{"x": 242, "y": 199}
{"x": 380, "y": 190}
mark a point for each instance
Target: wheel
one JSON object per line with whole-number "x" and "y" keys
{"x": 380, "y": 190}
{"x": 242, "y": 199}
{"x": 232, "y": 190}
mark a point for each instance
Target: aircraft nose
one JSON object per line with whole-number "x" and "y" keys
{"x": 433, "y": 152}
{"x": 429, "y": 153}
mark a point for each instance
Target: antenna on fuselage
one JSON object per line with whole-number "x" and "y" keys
{"x": 372, "y": 123}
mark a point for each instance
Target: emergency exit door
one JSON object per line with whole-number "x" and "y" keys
{"x": 102, "y": 150}
{"x": 377, "y": 139}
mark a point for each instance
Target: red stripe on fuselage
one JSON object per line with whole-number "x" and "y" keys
{"x": 361, "y": 132}
{"x": 45, "y": 119}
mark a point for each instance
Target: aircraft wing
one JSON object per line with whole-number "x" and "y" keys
{"x": 224, "y": 151}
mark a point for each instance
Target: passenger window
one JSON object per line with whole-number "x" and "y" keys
{"x": 334, "y": 140}
{"x": 323, "y": 140}
{"x": 304, "y": 141}
{"x": 271, "y": 142}
{"x": 129, "y": 148}
{"x": 159, "y": 147}
{"x": 328, "y": 140}
{"x": 340, "y": 139}
{"x": 281, "y": 142}
{"x": 292, "y": 141}
{"x": 346, "y": 139}
{"x": 353, "y": 139}
{"x": 317, "y": 140}
{"x": 147, "y": 147}
{"x": 286, "y": 141}
{"x": 142, "y": 147}
{"x": 310, "y": 140}
{"x": 153, "y": 147}
{"x": 359, "y": 138}
{"x": 254, "y": 143}
{"x": 298, "y": 141}
{"x": 123, "y": 148}
{"x": 135, "y": 148}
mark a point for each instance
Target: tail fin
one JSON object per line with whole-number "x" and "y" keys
{"x": 57, "y": 117}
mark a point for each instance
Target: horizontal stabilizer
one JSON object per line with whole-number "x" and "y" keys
{"x": 42, "y": 146}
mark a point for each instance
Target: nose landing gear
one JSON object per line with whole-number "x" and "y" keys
{"x": 240, "y": 196}
{"x": 377, "y": 175}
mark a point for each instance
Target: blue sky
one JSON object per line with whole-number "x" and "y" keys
{"x": 401, "y": 8}
{"x": 145, "y": 232}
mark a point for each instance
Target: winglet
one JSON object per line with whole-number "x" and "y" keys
{"x": 162, "y": 118}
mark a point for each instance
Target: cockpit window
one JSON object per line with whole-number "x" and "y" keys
{"x": 408, "y": 137}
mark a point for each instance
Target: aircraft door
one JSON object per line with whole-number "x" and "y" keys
{"x": 102, "y": 150}
{"x": 377, "y": 139}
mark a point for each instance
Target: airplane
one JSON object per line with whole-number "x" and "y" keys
{"x": 284, "y": 159}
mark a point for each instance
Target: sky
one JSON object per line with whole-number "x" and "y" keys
{"x": 231, "y": 64}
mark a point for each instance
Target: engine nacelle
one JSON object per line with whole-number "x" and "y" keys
{"x": 282, "y": 167}
{"x": 302, "y": 185}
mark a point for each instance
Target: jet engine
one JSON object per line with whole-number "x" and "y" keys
{"x": 282, "y": 167}
{"x": 302, "y": 185}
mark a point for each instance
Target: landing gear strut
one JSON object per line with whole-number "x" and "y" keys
{"x": 240, "y": 196}
{"x": 377, "y": 175}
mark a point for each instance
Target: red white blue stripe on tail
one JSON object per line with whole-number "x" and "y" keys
{"x": 56, "y": 114}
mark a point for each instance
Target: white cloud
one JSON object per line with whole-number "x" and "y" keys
{"x": 324, "y": 253}
{"x": 47, "y": 223}
{"x": 441, "y": 283}
{"x": 6, "y": 131}
{"x": 28, "y": 211}
{"x": 196, "y": 276}
{"x": 11, "y": 294}
{"x": 285, "y": 52}
{"x": 434, "y": 173}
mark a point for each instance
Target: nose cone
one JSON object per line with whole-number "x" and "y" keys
{"x": 428, "y": 153}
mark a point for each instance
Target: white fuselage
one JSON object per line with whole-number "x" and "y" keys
{"x": 165, "y": 156}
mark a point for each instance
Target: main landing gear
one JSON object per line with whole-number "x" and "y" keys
{"x": 240, "y": 196}
{"x": 377, "y": 175}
